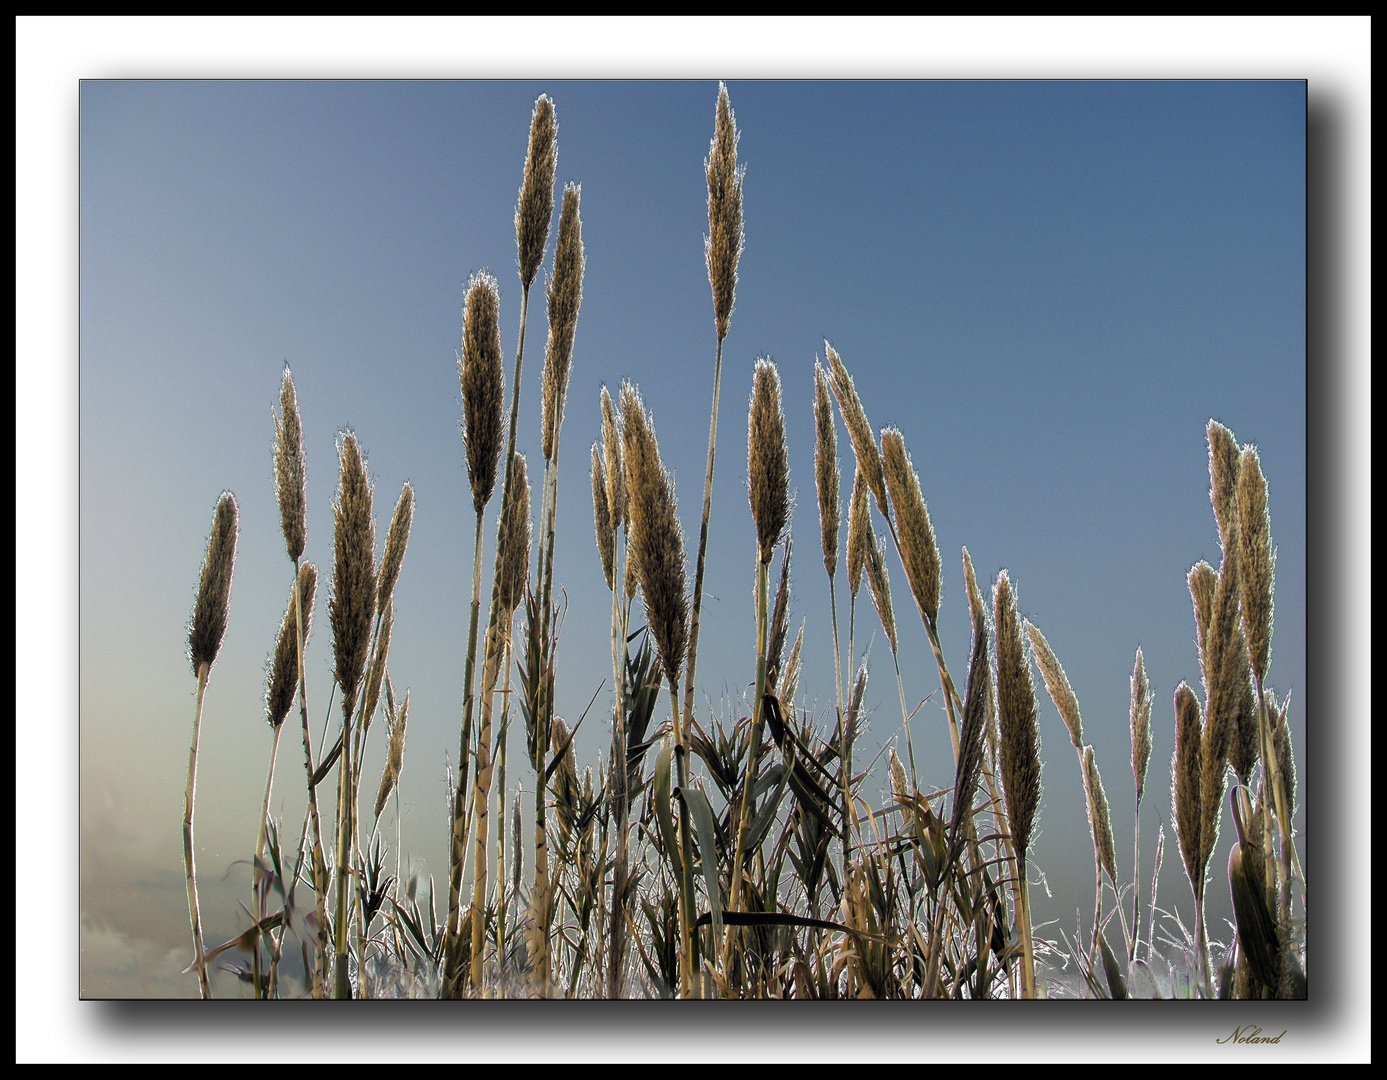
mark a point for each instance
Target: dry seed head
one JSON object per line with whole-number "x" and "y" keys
{"x": 1281, "y": 744}
{"x": 395, "y": 756}
{"x": 1099, "y": 819}
{"x": 978, "y": 611}
{"x": 859, "y": 531}
{"x": 1141, "y": 723}
{"x": 976, "y": 709}
{"x": 1185, "y": 770}
{"x": 780, "y": 622}
{"x": 854, "y": 416}
{"x": 723, "y": 246}
{"x": 768, "y": 463}
{"x": 919, "y": 552}
{"x": 900, "y": 787}
{"x": 1258, "y": 560}
{"x": 535, "y": 208}
{"x": 515, "y": 568}
{"x": 1223, "y": 482}
{"x": 615, "y": 467}
{"x": 290, "y": 470}
{"x": 859, "y": 689}
{"x": 606, "y": 537}
{"x": 1203, "y": 583}
{"x": 1016, "y": 717}
{"x": 827, "y": 476}
{"x": 655, "y": 535}
{"x": 880, "y": 584}
{"x": 283, "y": 679}
{"x": 1225, "y": 672}
{"x": 213, "y": 604}
{"x": 481, "y": 373}
{"x": 1057, "y": 683}
{"x": 792, "y": 667}
{"x": 352, "y": 602}
{"x": 396, "y": 541}
{"x": 565, "y": 296}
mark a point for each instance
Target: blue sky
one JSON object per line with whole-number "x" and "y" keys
{"x": 1049, "y": 287}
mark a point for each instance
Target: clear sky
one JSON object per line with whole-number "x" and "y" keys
{"x": 1048, "y": 286}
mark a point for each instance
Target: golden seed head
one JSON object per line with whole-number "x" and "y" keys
{"x": 854, "y": 416}
{"x": 615, "y": 466}
{"x": 606, "y": 537}
{"x": 1203, "y": 583}
{"x": 859, "y": 531}
{"x": 376, "y": 672}
{"x": 655, "y": 535}
{"x": 1099, "y": 818}
{"x": 1016, "y": 717}
{"x": 768, "y": 463}
{"x": 283, "y": 679}
{"x": 859, "y": 688}
{"x": 1245, "y": 750}
{"x": 780, "y": 623}
{"x": 213, "y": 604}
{"x": 535, "y": 208}
{"x": 1057, "y": 683}
{"x": 900, "y": 787}
{"x": 827, "y": 476}
{"x": 396, "y": 541}
{"x": 723, "y": 245}
{"x": 1223, "y": 482}
{"x": 1258, "y": 559}
{"x": 919, "y": 552}
{"x": 880, "y": 583}
{"x": 1141, "y": 723}
{"x": 1185, "y": 770}
{"x": 1281, "y": 744}
{"x": 515, "y": 544}
{"x": 978, "y": 610}
{"x": 352, "y": 603}
{"x": 977, "y": 713}
{"x": 481, "y": 373}
{"x": 1225, "y": 673}
{"x": 565, "y": 296}
{"x": 290, "y": 470}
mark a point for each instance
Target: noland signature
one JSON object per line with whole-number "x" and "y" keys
{"x": 1250, "y": 1034}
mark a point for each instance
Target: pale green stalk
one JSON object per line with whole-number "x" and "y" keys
{"x": 194, "y": 915}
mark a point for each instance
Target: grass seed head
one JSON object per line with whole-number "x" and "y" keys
{"x": 880, "y": 583}
{"x": 723, "y": 246}
{"x": 1099, "y": 817}
{"x": 615, "y": 467}
{"x": 1203, "y": 583}
{"x": 1223, "y": 482}
{"x": 565, "y": 296}
{"x": 395, "y": 755}
{"x": 656, "y": 537}
{"x": 768, "y": 463}
{"x": 290, "y": 470}
{"x": 1057, "y": 683}
{"x": 515, "y": 511}
{"x": 854, "y": 416}
{"x": 1185, "y": 769}
{"x": 213, "y": 604}
{"x": 1258, "y": 560}
{"x": 535, "y": 208}
{"x": 606, "y": 536}
{"x": 1140, "y": 723}
{"x": 481, "y": 373}
{"x": 1281, "y": 743}
{"x": 396, "y": 541}
{"x": 919, "y": 552}
{"x": 1016, "y": 717}
{"x": 827, "y": 476}
{"x": 859, "y": 531}
{"x": 283, "y": 680}
{"x": 352, "y": 603}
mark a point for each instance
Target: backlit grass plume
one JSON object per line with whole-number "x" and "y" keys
{"x": 535, "y": 208}
{"x": 768, "y": 463}
{"x": 290, "y": 471}
{"x": 283, "y": 680}
{"x": 565, "y": 297}
{"x": 723, "y": 245}
{"x": 854, "y": 416}
{"x": 205, "y": 632}
{"x": 919, "y": 552}
{"x": 482, "y": 376}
